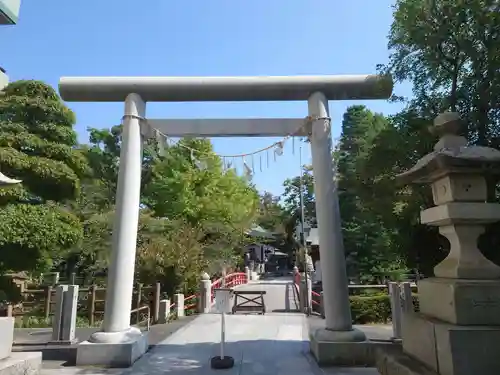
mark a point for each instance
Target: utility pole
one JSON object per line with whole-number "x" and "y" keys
{"x": 302, "y": 234}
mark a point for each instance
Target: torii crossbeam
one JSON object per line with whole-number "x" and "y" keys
{"x": 135, "y": 92}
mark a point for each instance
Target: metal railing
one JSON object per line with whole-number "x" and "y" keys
{"x": 400, "y": 294}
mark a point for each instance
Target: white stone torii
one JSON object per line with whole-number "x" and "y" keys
{"x": 135, "y": 92}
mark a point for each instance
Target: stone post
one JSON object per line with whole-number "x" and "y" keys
{"x": 70, "y": 306}
{"x": 306, "y": 296}
{"x": 248, "y": 274}
{"x": 20, "y": 362}
{"x": 57, "y": 319}
{"x": 338, "y": 324}
{"x": 205, "y": 301}
{"x": 164, "y": 312}
{"x": 457, "y": 331}
{"x": 396, "y": 311}
{"x": 64, "y": 320}
{"x": 407, "y": 298}
{"x": 179, "y": 305}
{"x": 7, "y": 332}
{"x": 223, "y": 277}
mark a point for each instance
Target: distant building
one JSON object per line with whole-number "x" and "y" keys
{"x": 259, "y": 251}
{"x": 9, "y": 11}
{"x": 312, "y": 242}
{"x": 307, "y": 229}
{"x": 9, "y": 15}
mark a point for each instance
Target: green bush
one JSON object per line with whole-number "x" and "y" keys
{"x": 34, "y": 321}
{"x": 370, "y": 309}
{"x": 373, "y": 309}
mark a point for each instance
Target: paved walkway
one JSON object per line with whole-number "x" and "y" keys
{"x": 271, "y": 344}
{"x": 280, "y": 294}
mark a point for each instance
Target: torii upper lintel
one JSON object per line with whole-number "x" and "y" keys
{"x": 194, "y": 89}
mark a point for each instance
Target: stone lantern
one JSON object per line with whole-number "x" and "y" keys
{"x": 6, "y": 181}
{"x": 11, "y": 362}
{"x": 457, "y": 330}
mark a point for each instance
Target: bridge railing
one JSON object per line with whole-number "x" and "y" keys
{"x": 229, "y": 281}
{"x": 203, "y": 300}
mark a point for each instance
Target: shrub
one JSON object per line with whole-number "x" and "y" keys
{"x": 34, "y": 321}
{"x": 370, "y": 309}
{"x": 373, "y": 309}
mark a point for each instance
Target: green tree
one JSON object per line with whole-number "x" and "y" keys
{"x": 37, "y": 146}
{"x": 174, "y": 254}
{"x": 271, "y": 214}
{"x": 181, "y": 194}
{"x": 366, "y": 200}
{"x": 189, "y": 184}
{"x": 449, "y": 51}
{"x": 291, "y": 195}
{"x": 95, "y": 205}
{"x": 193, "y": 186}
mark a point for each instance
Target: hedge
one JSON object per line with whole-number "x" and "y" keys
{"x": 368, "y": 309}
{"x": 373, "y": 309}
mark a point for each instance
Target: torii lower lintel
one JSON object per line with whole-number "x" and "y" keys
{"x": 225, "y": 127}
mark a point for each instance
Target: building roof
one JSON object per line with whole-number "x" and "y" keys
{"x": 313, "y": 238}
{"x": 9, "y": 11}
{"x": 258, "y": 231}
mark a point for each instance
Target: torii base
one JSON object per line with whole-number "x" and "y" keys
{"x": 120, "y": 350}
{"x": 343, "y": 348}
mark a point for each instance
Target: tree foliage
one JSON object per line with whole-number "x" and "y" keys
{"x": 271, "y": 214}
{"x": 180, "y": 188}
{"x": 449, "y": 52}
{"x": 181, "y": 196}
{"x": 195, "y": 214}
{"x": 37, "y": 146}
{"x": 366, "y": 201}
{"x": 292, "y": 194}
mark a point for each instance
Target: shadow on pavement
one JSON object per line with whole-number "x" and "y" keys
{"x": 266, "y": 282}
{"x": 286, "y": 311}
{"x": 263, "y": 357}
{"x": 374, "y": 332}
{"x": 38, "y": 340}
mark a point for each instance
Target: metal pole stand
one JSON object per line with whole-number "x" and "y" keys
{"x": 223, "y": 304}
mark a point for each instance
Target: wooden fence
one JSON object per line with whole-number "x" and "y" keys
{"x": 91, "y": 301}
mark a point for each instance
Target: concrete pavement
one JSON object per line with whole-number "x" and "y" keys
{"x": 272, "y": 344}
{"x": 280, "y": 294}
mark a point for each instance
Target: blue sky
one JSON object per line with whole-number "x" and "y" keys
{"x": 57, "y": 38}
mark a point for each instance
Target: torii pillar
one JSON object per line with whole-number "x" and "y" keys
{"x": 122, "y": 344}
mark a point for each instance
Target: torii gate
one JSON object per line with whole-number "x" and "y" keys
{"x": 135, "y": 92}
